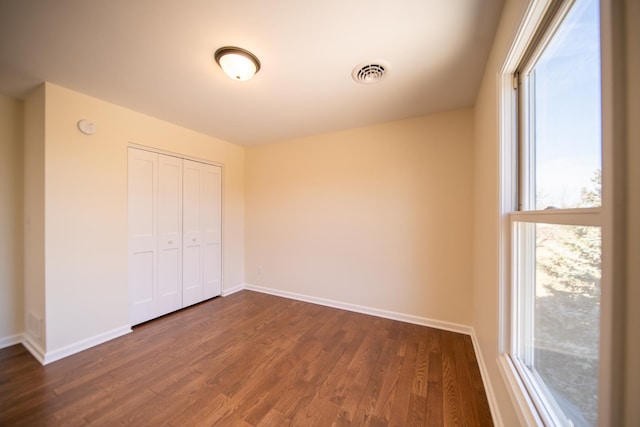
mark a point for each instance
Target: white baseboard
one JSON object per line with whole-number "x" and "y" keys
{"x": 34, "y": 348}
{"x": 227, "y": 292}
{"x": 10, "y": 340}
{"x": 491, "y": 397}
{"x": 408, "y": 318}
{"x": 52, "y": 356}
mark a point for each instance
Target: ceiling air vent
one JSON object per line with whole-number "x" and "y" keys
{"x": 369, "y": 73}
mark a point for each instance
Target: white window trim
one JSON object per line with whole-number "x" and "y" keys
{"x": 610, "y": 348}
{"x": 584, "y": 216}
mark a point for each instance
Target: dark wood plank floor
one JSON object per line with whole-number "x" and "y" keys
{"x": 253, "y": 359}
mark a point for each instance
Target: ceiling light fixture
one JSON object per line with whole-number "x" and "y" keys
{"x": 237, "y": 63}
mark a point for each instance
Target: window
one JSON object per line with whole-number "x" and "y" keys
{"x": 556, "y": 247}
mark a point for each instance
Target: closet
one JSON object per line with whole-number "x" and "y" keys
{"x": 174, "y": 233}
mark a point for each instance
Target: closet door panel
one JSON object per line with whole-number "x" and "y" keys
{"x": 142, "y": 273}
{"x": 143, "y": 256}
{"x": 191, "y": 276}
{"x": 211, "y": 224}
{"x": 212, "y": 283}
{"x": 192, "y": 286}
{"x": 169, "y": 234}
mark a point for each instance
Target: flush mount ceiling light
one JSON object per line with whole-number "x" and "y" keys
{"x": 237, "y": 63}
{"x": 370, "y": 72}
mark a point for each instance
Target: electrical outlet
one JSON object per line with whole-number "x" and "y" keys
{"x": 259, "y": 270}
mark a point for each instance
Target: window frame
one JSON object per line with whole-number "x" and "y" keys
{"x": 607, "y": 216}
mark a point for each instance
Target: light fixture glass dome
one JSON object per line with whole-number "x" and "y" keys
{"x": 237, "y": 63}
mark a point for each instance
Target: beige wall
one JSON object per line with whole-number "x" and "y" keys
{"x": 34, "y": 188}
{"x": 632, "y": 371}
{"x": 378, "y": 217}
{"x": 487, "y": 208}
{"x": 86, "y": 209}
{"x": 11, "y": 290}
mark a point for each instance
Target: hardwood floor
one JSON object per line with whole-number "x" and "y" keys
{"x": 253, "y": 359}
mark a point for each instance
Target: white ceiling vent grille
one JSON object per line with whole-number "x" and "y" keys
{"x": 369, "y": 73}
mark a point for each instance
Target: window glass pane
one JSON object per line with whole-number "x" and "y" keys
{"x": 564, "y": 113}
{"x": 558, "y": 271}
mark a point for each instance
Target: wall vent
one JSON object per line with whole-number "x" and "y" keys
{"x": 370, "y": 73}
{"x": 34, "y": 325}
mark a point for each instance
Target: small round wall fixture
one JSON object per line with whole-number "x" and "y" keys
{"x": 87, "y": 126}
{"x": 237, "y": 63}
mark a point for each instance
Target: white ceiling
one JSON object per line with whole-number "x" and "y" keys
{"x": 156, "y": 57}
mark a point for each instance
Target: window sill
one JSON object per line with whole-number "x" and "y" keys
{"x": 525, "y": 409}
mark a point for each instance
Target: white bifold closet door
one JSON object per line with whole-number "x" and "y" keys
{"x": 143, "y": 239}
{"x": 174, "y": 233}
{"x": 201, "y": 226}
{"x": 212, "y": 230}
{"x": 169, "y": 233}
{"x": 192, "y": 277}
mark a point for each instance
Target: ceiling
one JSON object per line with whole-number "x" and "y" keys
{"x": 156, "y": 57}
